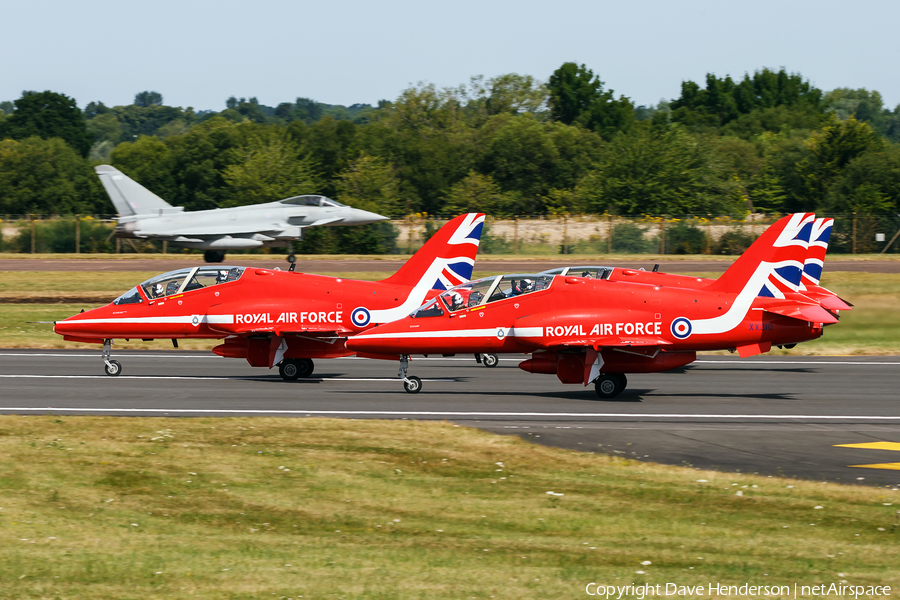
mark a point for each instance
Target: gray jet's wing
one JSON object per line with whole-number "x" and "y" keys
{"x": 128, "y": 196}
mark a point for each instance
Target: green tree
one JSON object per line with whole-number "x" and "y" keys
{"x": 48, "y": 115}
{"x": 369, "y": 183}
{"x": 148, "y": 99}
{"x": 478, "y": 193}
{"x": 270, "y": 169}
{"x": 47, "y": 177}
{"x": 577, "y": 97}
{"x": 832, "y": 148}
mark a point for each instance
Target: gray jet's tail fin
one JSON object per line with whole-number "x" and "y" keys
{"x": 128, "y": 196}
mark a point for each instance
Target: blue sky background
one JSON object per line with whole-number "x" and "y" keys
{"x": 199, "y": 53}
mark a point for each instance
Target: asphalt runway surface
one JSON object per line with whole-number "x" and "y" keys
{"x": 324, "y": 266}
{"x": 769, "y": 415}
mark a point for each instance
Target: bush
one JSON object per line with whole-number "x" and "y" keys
{"x": 684, "y": 238}
{"x": 733, "y": 242}
{"x": 59, "y": 236}
{"x": 492, "y": 244}
{"x": 628, "y": 238}
{"x": 374, "y": 238}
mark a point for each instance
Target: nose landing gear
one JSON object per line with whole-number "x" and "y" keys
{"x": 111, "y": 367}
{"x": 412, "y": 384}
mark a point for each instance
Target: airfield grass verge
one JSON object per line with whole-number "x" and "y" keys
{"x": 248, "y": 508}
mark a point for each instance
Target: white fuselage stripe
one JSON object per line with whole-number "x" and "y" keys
{"x": 462, "y": 333}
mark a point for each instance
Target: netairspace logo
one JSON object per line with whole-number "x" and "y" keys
{"x": 747, "y": 590}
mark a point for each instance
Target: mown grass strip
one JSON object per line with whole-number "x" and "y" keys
{"x": 246, "y": 508}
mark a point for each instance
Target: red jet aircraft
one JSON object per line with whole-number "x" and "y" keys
{"x": 273, "y": 317}
{"x": 588, "y": 330}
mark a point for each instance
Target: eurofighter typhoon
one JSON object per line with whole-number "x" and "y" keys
{"x": 144, "y": 215}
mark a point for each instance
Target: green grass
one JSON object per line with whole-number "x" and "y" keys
{"x": 250, "y": 508}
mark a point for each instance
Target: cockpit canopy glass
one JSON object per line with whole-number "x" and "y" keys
{"x": 132, "y": 296}
{"x": 311, "y": 200}
{"x": 591, "y": 272}
{"x": 492, "y": 289}
{"x": 431, "y": 308}
{"x": 186, "y": 280}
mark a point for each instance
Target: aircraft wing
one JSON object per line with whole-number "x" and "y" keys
{"x": 598, "y": 342}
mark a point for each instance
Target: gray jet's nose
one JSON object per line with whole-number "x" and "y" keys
{"x": 355, "y": 216}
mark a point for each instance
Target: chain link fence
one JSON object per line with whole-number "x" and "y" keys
{"x": 541, "y": 235}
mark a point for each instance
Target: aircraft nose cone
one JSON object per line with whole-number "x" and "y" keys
{"x": 363, "y": 217}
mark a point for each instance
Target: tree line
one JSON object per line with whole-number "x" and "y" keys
{"x": 507, "y": 145}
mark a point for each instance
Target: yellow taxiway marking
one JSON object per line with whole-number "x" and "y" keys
{"x": 875, "y": 446}
{"x": 872, "y": 446}
{"x": 889, "y": 466}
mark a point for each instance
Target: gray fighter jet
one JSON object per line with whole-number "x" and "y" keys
{"x": 144, "y": 215}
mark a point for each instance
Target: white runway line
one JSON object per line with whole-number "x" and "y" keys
{"x": 210, "y": 378}
{"x": 450, "y": 414}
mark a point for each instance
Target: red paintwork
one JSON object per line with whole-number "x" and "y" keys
{"x": 263, "y": 308}
{"x": 628, "y": 326}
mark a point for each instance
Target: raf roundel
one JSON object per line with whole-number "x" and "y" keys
{"x": 360, "y": 317}
{"x": 681, "y": 328}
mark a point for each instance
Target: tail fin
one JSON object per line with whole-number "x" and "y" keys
{"x": 447, "y": 259}
{"x": 818, "y": 246}
{"x": 127, "y": 195}
{"x": 773, "y": 264}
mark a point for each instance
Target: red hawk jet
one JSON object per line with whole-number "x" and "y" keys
{"x": 273, "y": 317}
{"x": 589, "y": 330}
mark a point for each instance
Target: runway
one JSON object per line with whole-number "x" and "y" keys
{"x": 768, "y": 415}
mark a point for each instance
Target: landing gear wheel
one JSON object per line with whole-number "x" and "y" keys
{"x": 113, "y": 368}
{"x": 609, "y": 385}
{"x": 490, "y": 360}
{"x": 291, "y": 258}
{"x": 213, "y": 256}
{"x": 292, "y": 369}
{"x": 412, "y": 384}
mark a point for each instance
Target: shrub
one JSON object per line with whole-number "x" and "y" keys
{"x": 685, "y": 238}
{"x": 733, "y": 242}
{"x": 628, "y": 238}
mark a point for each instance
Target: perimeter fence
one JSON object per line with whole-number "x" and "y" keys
{"x": 524, "y": 235}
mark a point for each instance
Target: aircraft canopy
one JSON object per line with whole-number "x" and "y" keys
{"x": 311, "y": 200}
{"x": 484, "y": 291}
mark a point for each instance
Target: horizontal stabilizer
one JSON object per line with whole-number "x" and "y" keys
{"x": 805, "y": 312}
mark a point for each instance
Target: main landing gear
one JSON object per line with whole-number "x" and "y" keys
{"x": 610, "y": 385}
{"x": 213, "y": 256}
{"x": 411, "y": 384}
{"x": 292, "y": 369}
{"x": 112, "y": 367}
{"x": 488, "y": 360}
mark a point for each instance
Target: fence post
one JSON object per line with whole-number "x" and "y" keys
{"x": 32, "y": 234}
{"x": 515, "y": 234}
{"x": 708, "y": 233}
{"x": 609, "y": 234}
{"x": 565, "y": 234}
{"x": 77, "y": 234}
{"x": 662, "y": 235}
{"x": 854, "y": 233}
{"x": 118, "y": 245}
{"x": 409, "y": 234}
{"x": 165, "y": 247}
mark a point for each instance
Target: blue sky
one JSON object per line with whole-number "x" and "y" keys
{"x": 199, "y": 53}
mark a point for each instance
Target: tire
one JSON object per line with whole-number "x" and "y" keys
{"x": 213, "y": 256}
{"x": 113, "y": 369}
{"x": 292, "y": 369}
{"x": 291, "y": 257}
{"x": 413, "y": 385}
{"x": 490, "y": 360}
{"x": 608, "y": 385}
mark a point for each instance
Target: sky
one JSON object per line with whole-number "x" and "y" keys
{"x": 200, "y": 53}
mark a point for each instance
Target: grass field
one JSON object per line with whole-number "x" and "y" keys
{"x": 871, "y": 328}
{"x": 317, "y": 508}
